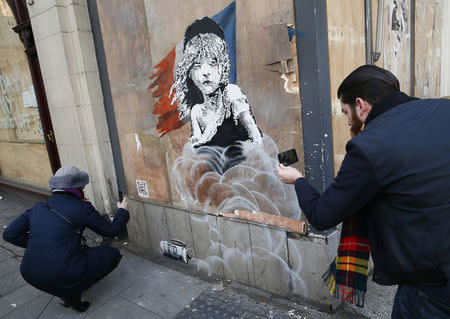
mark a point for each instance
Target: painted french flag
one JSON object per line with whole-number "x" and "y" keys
{"x": 163, "y": 78}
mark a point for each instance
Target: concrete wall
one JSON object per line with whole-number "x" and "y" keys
{"x": 65, "y": 47}
{"x": 258, "y": 255}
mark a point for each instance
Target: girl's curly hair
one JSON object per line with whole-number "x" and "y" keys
{"x": 205, "y": 45}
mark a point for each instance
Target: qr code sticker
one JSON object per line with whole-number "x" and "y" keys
{"x": 142, "y": 188}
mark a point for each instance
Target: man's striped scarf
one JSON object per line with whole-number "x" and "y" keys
{"x": 347, "y": 276}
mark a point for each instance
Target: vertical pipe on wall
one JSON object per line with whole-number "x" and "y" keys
{"x": 412, "y": 72}
{"x": 378, "y": 42}
{"x": 107, "y": 96}
{"x": 368, "y": 30}
{"x": 313, "y": 63}
{"x": 314, "y": 73}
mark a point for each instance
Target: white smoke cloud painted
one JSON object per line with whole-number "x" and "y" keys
{"x": 232, "y": 259}
{"x": 207, "y": 179}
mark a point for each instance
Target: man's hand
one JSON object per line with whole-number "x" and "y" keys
{"x": 123, "y": 204}
{"x": 288, "y": 174}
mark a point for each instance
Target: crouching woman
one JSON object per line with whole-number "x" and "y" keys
{"x": 55, "y": 260}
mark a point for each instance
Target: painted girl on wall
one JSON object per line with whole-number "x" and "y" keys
{"x": 227, "y": 163}
{"x": 220, "y": 113}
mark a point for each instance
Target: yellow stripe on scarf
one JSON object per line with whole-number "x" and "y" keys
{"x": 352, "y": 260}
{"x": 348, "y": 263}
{"x": 348, "y": 267}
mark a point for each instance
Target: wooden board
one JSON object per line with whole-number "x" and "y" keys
{"x": 27, "y": 163}
{"x": 346, "y": 39}
{"x": 274, "y": 96}
{"x": 139, "y": 34}
{"x": 167, "y": 23}
{"x": 445, "y": 51}
{"x": 17, "y": 121}
{"x": 428, "y": 29}
{"x": 127, "y": 50}
{"x": 427, "y": 44}
{"x": 346, "y": 44}
{"x": 269, "y": 219}
{"x": 396, "y": 39}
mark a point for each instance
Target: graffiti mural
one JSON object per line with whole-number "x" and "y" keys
{"x": 220, "y": 113}
{"x": 177, "y": 84}
{"x": 248, "y": 263}
{"x": 252, "y": 185}
{"x": 227, "y": 164}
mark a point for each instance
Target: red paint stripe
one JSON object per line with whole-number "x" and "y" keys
{"x": 169, "y": 118}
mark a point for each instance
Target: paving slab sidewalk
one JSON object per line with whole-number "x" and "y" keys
{"x": 142, "y": 288}
{"x": 139, "y": 288}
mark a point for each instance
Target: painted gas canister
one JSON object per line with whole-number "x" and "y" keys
{"x": 175, "y": 249}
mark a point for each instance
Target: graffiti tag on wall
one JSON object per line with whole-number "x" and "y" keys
{"x": 22, "y": 121}
{"x": 8, "y": 84}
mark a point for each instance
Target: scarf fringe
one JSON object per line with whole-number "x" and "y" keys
{"x": 347, "y": 294}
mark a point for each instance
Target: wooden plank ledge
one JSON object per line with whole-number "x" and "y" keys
{"x": 269, "y": 219}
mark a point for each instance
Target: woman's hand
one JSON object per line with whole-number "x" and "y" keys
{"x": 123, "y": 204}
{"x": 288, "y": 174}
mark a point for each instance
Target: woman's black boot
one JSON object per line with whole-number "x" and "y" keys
{"x": 75, "y": 303}
{"x": 80, "y": 306}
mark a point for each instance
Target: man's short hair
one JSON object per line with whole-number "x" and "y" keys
{"x": 369, "y": 82}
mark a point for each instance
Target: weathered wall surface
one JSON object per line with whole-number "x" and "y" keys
{"x": 263, "y": 48}
{"x": 445, "y": 50}
{"x": 346, "y": 52}
{"x": 23, "y": 155}
{"x": 428, "y": 31}
{"x": 140, "y": 38}
{"x": 15, "y": 163}
{"x": 127, "y": 50}
{"x": 346, "y": 39}
{"x": 265, "y": 257}
{"x": 396, "y": 40}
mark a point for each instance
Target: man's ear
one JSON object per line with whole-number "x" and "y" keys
{"x": 363, "y": 109}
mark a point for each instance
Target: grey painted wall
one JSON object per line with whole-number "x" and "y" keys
{"x": 257, "y": 255}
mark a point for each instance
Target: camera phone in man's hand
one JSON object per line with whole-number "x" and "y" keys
{"x": 287, "y": 158}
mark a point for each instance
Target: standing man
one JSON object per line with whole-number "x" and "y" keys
{"x": 398, "y": 170}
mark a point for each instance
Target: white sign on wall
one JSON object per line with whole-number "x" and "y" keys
{"x": 29, "y": 98}
{"x": 142, "y": 188}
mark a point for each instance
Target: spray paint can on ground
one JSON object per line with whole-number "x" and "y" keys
{"x": 175, "y": 249}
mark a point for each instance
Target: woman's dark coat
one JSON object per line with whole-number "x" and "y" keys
{"x": 54, "y": 259}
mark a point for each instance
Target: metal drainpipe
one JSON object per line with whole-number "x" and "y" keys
{"x": 368, "y": 30}
{"x": 412, "y": 62}
{"x": 376, "y": 55}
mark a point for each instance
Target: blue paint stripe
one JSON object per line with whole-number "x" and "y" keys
{"x": 227, "y": 20}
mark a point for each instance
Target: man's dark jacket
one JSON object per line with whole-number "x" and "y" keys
{"x": 54, "y": 260}
{"x": 398, "y": 171}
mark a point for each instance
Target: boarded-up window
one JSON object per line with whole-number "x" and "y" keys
{"x": 211, "y": 142}
{"x": 23, "y": 155}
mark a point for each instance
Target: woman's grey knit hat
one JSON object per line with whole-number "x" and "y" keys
{"x": 68, "y": 177}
